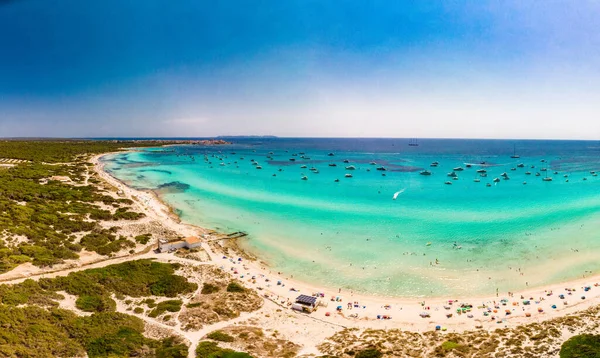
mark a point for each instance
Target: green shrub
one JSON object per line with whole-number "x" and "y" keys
{"x": 162, "y": 307}
{"x": 143, "y": 239}
{"x": 138, "y": 310}
{"x": 235, "y": 287}
{"x": 95, "y": 303}
{"x": 581, "y": 346}
{"x": 208, "y": 349}
{"x": 208, "y": 288}
{"x": 220, "y": 336}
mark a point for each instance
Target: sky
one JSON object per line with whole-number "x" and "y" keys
{"x": 300, "y": 68}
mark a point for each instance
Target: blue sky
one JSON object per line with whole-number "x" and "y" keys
{"x": 486, "y": 69}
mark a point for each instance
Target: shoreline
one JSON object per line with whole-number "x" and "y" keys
{"x": 369, "y": 306}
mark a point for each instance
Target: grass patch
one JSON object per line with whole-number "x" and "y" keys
{"x": 220, "y": 336}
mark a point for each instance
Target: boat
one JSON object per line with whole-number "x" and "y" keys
{"x": 527, "y": 173}
{"x": 476, "y": 180}
{"x": 434, "y": 164}
{"x": 425, "y": 172}
{"x": 373, "y": 163}
{"x": 337, "y": 181}
{"x": 595, "y": 174}
{"x": 258, "y": 167}
{"x": 455, "y": 178}
{"x": 513, "y": 169}
{"x": 537, "y": 174}
{"x": 348, "y": 175}
{"x": 520, "y": 165}
{"x": 452, "y": 174}
{"x": 222, "y": 164}
{"x": 468, "y": 165}
{"x": 333, "y": 165}
{"x": 383, "y": 174}
{"x": 413, "y": 142}
{"x": 292, "y": 160}
{"x": 592, "y": 172}
{"x": 303, "y": 167}
{"x": 381, "y": 168}
{"x": 274, "y": 175}
{"x": 543, "y": 169}
{"x": 524, "y": 182}
{"x": 481, "y": 171}
{"x": 565, "y": 176}
{"x": 504, "y": 174}
{"x": 584, "y": 178}
{"x": 496, "y": 180}
{"x": 515, "y": 155}
{"x": 555, "y": 172}
{"x": 351, "y": 167}
{"x": 549, "y": 179}
{"x": 458, "y": 169}
{"x": 448, "y": 183}
{"x": 488, "y": 184}
{"x": 346, "y": 161}
{"x": 330, "y": 154}
{"x": 304, "y": 177}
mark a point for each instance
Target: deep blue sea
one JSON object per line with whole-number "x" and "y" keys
{"x": 464, "y": 234}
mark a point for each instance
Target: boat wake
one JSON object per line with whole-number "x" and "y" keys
{"x": 398, "y": 193}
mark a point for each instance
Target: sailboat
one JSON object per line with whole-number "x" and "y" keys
{"x": 515, "y": 155}
{"x": 546, "y": 178}
{"x": 413, "y": 142}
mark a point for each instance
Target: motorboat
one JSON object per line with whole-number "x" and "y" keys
{"x": 425, "y": 172}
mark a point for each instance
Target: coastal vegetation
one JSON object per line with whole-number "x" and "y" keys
{"x": 51, "y": 207}
{"x": 581, "y": 346}
{"x": 37, "y": 327}
{"x": 208, "y": 349}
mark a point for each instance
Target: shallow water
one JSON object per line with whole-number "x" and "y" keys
{"x": 352, "y": 234}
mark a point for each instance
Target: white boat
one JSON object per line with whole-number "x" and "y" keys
{"x": 476, "y": 180}
{"x": 550, "y": 179}
{"x": 520, "y": 165}
{"x": 448, "y": 183}
{"x": 496, "y": 180}
{"x": 458, "y": 169}
{"x": 434, "y": 164}
{"x": 373, "y": 163}
{"x": 303, "y": 166}
{"x": 304, "y": 177}
{"x": 351, "y": 167}
{"x": 382, "y": 168}
{"x": 348, "y": 175}
{"x": 452, "y": 174}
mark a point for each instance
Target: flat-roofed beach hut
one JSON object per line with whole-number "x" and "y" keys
{"x": 305, "y": 303}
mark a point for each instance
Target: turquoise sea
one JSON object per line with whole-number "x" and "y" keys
{"x": 352, "y": 234}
